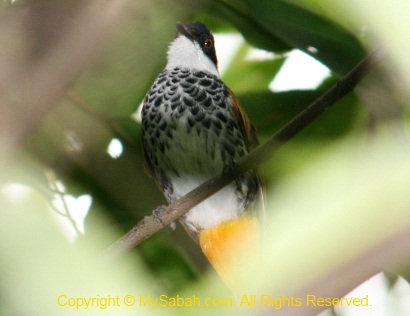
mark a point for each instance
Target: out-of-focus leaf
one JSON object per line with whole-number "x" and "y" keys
{"x": 168, "y": 263}
{"x": 264, "y": 22}
{"x": 335, "y": 11}
{"x": 251, "y": 75}
{"x": 214, "y": 22}
{"x": 270, "y": 111}
{"x": 250, "y": 29}
{"x": 10, "y": 3}
{"x": 74, "y": 144}
{"x": 391, "y": 23}
{"x": 134, "y": 55}
{"x": 28, "y": 231}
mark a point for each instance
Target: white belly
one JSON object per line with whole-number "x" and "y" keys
{"x": 220, "y": 207}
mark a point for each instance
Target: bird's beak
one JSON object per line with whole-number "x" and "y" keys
{"x": 182, "y": 30}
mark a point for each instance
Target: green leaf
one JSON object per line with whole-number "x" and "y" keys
{"x": 167, "y": 261}
{"x": 270, "y": 111}
{"x": 251, "y": 75}
{"x": 278, "y": 25}
{"x": 250, "y": 29}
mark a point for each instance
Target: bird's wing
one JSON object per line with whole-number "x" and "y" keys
{"x": 248, "y": 130}
{"x": 149, "y": 168}
{"x": 252, "y": 141}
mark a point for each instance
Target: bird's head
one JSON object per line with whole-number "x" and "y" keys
{"x": 193, "y": 48}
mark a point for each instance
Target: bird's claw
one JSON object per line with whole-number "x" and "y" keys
{"x": 157, "y": 214}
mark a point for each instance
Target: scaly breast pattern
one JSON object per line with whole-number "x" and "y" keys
{"x": 187, "y": 126}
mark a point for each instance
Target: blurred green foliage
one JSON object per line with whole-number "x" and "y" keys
{"x": 73, "y": 142}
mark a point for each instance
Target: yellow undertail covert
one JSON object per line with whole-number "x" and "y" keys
{"x": 231, "y": 246}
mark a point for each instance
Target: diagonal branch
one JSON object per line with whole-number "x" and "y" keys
{"x": 150, "y": 225}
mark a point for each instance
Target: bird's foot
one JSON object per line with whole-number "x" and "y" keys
{"x": 157, "y": 214}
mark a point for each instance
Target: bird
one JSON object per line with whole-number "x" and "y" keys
{"x": 194, "y": 128}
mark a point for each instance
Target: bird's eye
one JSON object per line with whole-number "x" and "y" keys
{"x": 208, "y": 43}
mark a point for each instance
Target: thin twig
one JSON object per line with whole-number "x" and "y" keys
{"x": 51, "y": 177}
{"x": 90, "y": 109}
{"x": 150, "y": 225}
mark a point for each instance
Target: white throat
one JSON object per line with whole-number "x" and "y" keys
{"x": 184, "y": 53}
